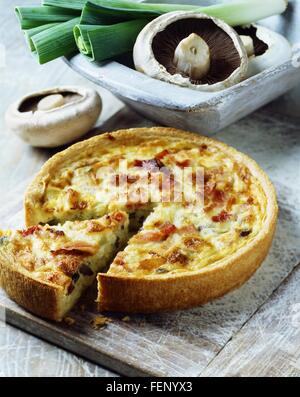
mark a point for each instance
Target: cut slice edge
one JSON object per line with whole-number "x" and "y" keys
{"x": 49, "y": 299}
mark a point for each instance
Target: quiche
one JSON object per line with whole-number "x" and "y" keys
{"x": 47, "y": 268}
{"x": 201, "y": 214}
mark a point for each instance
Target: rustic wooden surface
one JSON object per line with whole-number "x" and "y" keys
{"x": 249, "y": 332}
{"x": 269, "y": 344}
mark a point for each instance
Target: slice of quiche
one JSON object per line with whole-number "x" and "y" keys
{"x": 46, "y": 268}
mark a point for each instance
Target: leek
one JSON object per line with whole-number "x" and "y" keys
{"x": 127, "y": 4}
{"x": 237, "y": 12}
{"x": 71, "y": 4}
{"x": 93, "y": 14}
{"x": 100, "y": 43}
{"x": 55, "y": 42}
{"x": 31, "y": 32}
{"x": 245, "y": 12}
{"x": 31, "y": 17}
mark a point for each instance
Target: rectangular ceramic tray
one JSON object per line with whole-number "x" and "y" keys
{"x": 203, "y": 112}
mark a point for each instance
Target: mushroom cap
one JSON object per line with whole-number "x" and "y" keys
{"x": 155, "y": 46}
{"x": 57, "y": 126}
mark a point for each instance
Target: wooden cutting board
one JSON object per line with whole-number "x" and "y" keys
{"x": 184, "y": 343}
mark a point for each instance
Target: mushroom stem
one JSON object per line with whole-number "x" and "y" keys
{"x": 50, "y": 102}
{"x": 192, "y": 57}
{"x": 248, "y": 44}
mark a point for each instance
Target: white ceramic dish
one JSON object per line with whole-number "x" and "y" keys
{"x": 203, "y": 112}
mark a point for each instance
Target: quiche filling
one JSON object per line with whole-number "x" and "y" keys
{"x": 67, "y": 256}
{"x": 176, "y": 235}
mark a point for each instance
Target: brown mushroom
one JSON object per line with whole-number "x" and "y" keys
{"x": 193, "y": 50}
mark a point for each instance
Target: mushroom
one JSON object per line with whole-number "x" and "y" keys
{"x": 265, "y": 48}
{"x": 191, "y": 50}
{"x": 55, "y": 116}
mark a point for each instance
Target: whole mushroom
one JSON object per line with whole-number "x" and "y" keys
{"x": 191, "y": 50}
{"x": 55, "y": 116}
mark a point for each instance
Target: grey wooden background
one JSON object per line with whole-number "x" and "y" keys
{"x": 260, "y": 340}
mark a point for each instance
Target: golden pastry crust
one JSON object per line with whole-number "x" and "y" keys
{"x": 149, "y": 292}
{"x": 37, "y": 297}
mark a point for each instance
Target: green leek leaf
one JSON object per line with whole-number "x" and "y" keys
{"x": 55, "y": 42}
{"x": 32, "y": 32}
{"x": 31, "y": 17}
{"x": 93, "y": 14}
{"x": 100, "y": 43}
